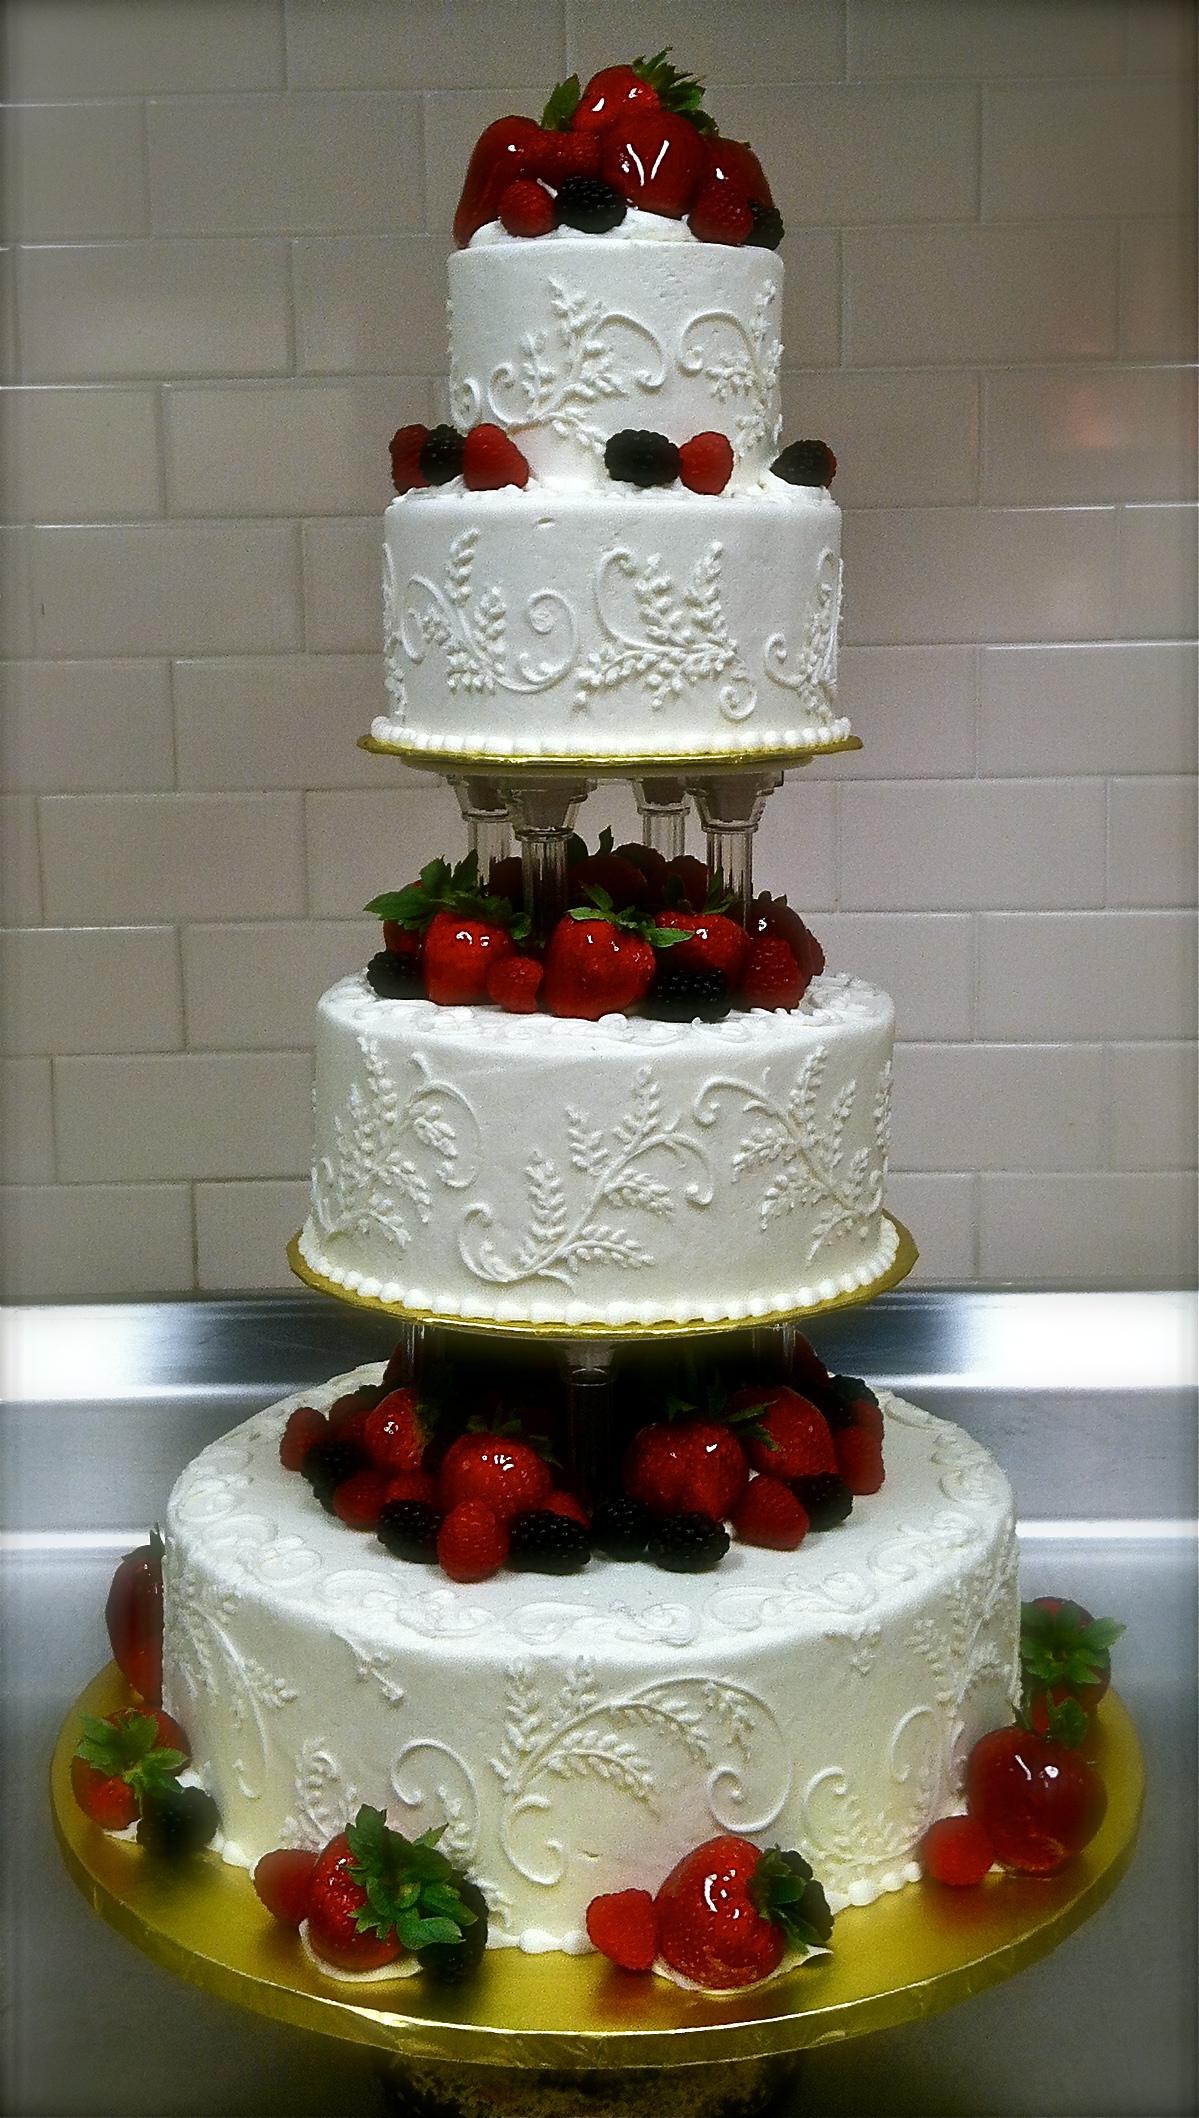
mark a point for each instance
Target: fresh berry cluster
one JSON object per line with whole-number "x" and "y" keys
{"x": 634, "y": 136}
{"x": 640, "y": 932}
{"x": 485, "y": 459}
{"x": 637, "y": 456}
{"x": 726, "y": 1916}
{"x": 125, "y": 1772}
{"x": 371, "y": 1896}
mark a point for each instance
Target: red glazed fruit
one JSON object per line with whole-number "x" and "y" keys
{"x": 133, "y": 1616}
{"x": 406, "y": 445}
{"x": 623, "y": 1926}
{"x": 526, "y": 209}
{"x": 1064, "y": 1654}
{"x": 714, "y": 943}
{"x": 859, "y": 1460}
{"x": 357, "y": 1501}
{"x": 557, "y": 156}
{"x": 514, "y": 984}
{"x": 957, "y": 1850}
{"x": 771, "y": 1516}
{"x": 727, "y": 1912}
{"x": 334, "y": 1903}
{"x": 124, "y": 1760}
{"x": 457, "y": 956}
{"x": 392, "y": 1433}
{"x": 498, "y": 158}
{"x": 772, "y": 978}
{"x": 655, "y": 160}
{"x": 706, "y": 462}
{"x": 721, "y": 213}
{"x": 471, "y": 1543}
{"x": 106, "y": 1798}
{"x": 1038, "y": 1801}
{"x": 736, "y": 163}
{"x": 506, "y": 1474}
{"x": 794, "y": 1439}
{"x": 303, "y": 1428}
{"x": 412, "y": 1485}
{"x": 614, "y": 92}
{"x": 283, "y": 1881}
{"x": 489, "y": 459}
{"x": 594, "y": 968}
{"x": 686, "y": 1467}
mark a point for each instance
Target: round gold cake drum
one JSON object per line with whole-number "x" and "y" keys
{"x": 908, "y": 1956}
{"x": 905, "y": 1257}
{"x": 486, "y": 764}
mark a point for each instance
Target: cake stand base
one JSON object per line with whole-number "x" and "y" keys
{"x": 571, "y": 2036}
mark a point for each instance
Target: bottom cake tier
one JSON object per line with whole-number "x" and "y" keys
{"x": 579, "y": 1736}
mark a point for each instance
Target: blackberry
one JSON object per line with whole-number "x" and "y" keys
{"x": 638, "y": 457}
{"x": 806, "y": 463}
{"x": 688, "y": 1544}
{"x": 813, "y": 1909}
{"x": 767, "y": 231}
{"x": 846, "y": 1389}
{"x": 441, "y": 455}
{"x": 620, "y": 1529}
{"x": 177, "y": 1820}
{"x": 408, "y": 1530}
{"x": 327, "y": 1463}
{"x": 824, "y": 1497}
{"x": 585, "y": 203}
{"x": 544, "y": 1543}
{"x": 679, "y": 996}
{"x": 449, "y": 1962}
{"x": 394, "y": 977}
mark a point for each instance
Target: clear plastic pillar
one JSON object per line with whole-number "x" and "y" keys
{"x": 543, "y": 816}
{"x": 591, "y": 1467}
{"x": 730, "y": 806}
{"x": 488, "y": 827}
{"x": 663, "y": 807}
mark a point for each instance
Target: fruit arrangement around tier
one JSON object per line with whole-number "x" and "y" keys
{"x": 486, "y": 460}
{"x": 641, "y": 933}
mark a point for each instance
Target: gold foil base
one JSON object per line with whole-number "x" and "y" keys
{"x": 901, "y": 1264}
{"x": 489, "y": 764}
{"x": 566, "y": 2019}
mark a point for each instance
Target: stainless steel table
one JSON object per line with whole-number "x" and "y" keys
{"x": 1086, "y": 1399}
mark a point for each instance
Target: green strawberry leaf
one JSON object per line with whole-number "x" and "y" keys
{"x": 784, "y": 1890}
{"x": 563, "y": 102}
{"x": 128, "y": 1750}
{"x": 680, "y": 92}
{"x": 411, "y": 1888}
{"x": 445, "y": 889}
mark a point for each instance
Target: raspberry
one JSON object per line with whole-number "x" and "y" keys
{"x": 412, "y": 1485}
{"x": 772, "y": 977}
{"x": 545, "y": 1542}
{"x": 354, "y": 1406}
{"x": 721, "y": 214}
{"x": 638, "y": 457}
{"x": 327, "y": 1465}
{"x": 620, "y": 1529}
{"x": 859, "y": 1460}
{"x": 394, "y": 977}
{"x": 957, "y": 1850}
{"x": 303, "y": 1428}
{"x": 587, "y": 204}
{"x": 771, "y": 1515}
{"x": 490, "y": 460}
{"x": 706, "y": 462}
{"x": 624, "y": 1927}
{"x": 358, "y": 1500}
{"x": 513, "y": 983}
{"x": 806, "y": 463}
{"x": 441, "y": 456}
{"x": 825, "y": 1497}
{"x": 566, "y": 1504}
{"x": 393, "y": 1435}
{"x": 471, "y": 1544}
{"x": 526, "y": 208}
{"x": 856, "y": 1406}
{"x": 281, "y": 1880}
{"x": 688, "y": 1544}
{"x": 406, "y": 445}
{"x": 409, "y": 1529}
{"x": 684, "y": 996}
{"x": 767, "y": 231}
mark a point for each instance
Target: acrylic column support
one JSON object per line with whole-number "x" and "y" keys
{"x": 488, "y": 825}
{"x": 663, "y": 808}
{"x": 730, "y": 806}
{"x": 543, "y": 814}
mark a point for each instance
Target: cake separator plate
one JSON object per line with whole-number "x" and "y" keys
{"x": 485, "y": 764}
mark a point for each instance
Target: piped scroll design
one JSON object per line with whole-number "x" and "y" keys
{"x": 806, "y": 1150}
{"x": 393, "y": 675}
{"x": 567, "y": 1234}
{"x": 681, "y": 640}
{"x": 741, "y": 363}
{"x": 472, "y": 630}
{"x": 429, "y": 1777}
{"x": 557, "y": 386}
{"x": 812, "y": 676}
{"x": 200, "y": 1652}
{"x": 632, "y": 1744}
{"x": 359, "y": 1186}
{"x": 325, "y": 1801}
{"x": 842, "y": 1834}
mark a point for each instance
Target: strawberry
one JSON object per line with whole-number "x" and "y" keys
{"x": 526, "y": 208}
{"x": 623, "y": 880}
{"x": 1037, "y": 1800}
{"x": 654, "y": 160}
{"x": 855, "y": 1405}
{"x": 772, "y": 977}
{"x": 1064, "y": 1654}
{"x": 721, "y": 213}
{"x": 556, "y": 1503}
{"x": 686, "y": 1467}
{"x": 727, "y": 1913}
{"x": 498, "y": 157}
{"x": 773, "y": 915}
{"x": 490, "y": 460}
{"x": 735, "y": 162}
{"x": 374, "y": 1892}
{"x": 347, "y": 1414}
{"x": 120, "y": 1761}
{"x": 507, "y": 1475}
{"x": 790, "y": 1437}
{"x": 471, "y": 1543}
{"x": 303, "y": 1428}
{"x": 464, "y": 928}
{"x": 956, "y": 1851}
{"x": 623, "y": 1926}
{"x": 283, "y": 1881}
{"x": 714, "y": 943}
{"x": 133, "y": 1616}
{"x": 809, "y": 1374}
{"x": 343, "y": 1927}
{"x": 651, "y": 863}
{"x": 514, "y": 982}
{"x": 859, "y": 1460}
{"x": 395, "y": 1434}
{"x": 357, "y": 1501}
{"x": 458, "y": 954}
{"x": 406, "y": 445}
{"x": 412, "y": 1485}
{"x": 706, "y": 462}
{"x": 615, "y": 92}
{"x": 770, "y": 1515}
{"x": 694, "y": 879}
{"x": 593, "y": 969}
{"x": 557, "y": 156}
{"x": 507, "y": 880}
{"x": 622, "y": 91}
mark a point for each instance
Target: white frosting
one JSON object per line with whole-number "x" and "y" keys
{"x": 526, "y": 1169}
{"x": 579, "y": 1735}
{"x": 636, "y": 227}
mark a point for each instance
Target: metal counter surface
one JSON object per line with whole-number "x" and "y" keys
{"x": 1088, "y": 1402}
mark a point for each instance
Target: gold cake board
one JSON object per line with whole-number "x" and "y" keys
{"x": 490, "y": 764}
{"x": 558, "y": 2035}
{"x": 901, "y": 1264}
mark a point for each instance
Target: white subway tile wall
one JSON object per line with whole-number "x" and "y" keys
{"x": 221, "y": 288}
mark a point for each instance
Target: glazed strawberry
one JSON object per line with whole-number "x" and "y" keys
{"x": 283, "y": 1881}
{"x": 457, "y": 956}
{"x": 121, "y": 1761}
{"x": 357, "y": 1501}
{"x": 859, "y": 1460}
{"x": 471, "y": 1543}
{"x": 772, "y": 977}
{"x": 790, "y": 1438}
{"x": 498, "y": 158}
{"x": 693, "y": 877}
{"x": 303, "y": 1428}
{"x": 854, "y": 1404}
{"x": 686, "y": 1467}
{"x": 957, "y": 1851}
{"x": 651, "y": 863}
{"x": 400, "y": 941}
{"x": 1064, "y": 1654}
{"x": 721, "y": 213}
{"x": 336, "y": 1904}
{"x": 514, "y": 983}
{"x": 654, "y": 160}
{"x": 1037, "y": 1799}
{"x": 728, "y": 1912}
{"x": 463, "y": 928}
{"x": 347, "y": 1414}
{"x": 406, "y": 445}
{"x": 133, "y": 1616}
{"x": 771, "y": 1516}
{"x": 592, "y": 968}
{"x": 773, "y": 915}
{"x": 706, "y": 462}
{"x": 557, "y": 156}
{"x": 106, "y": 1798}
{"x": 615, "y": 92}
{"x": 623, "y": 880}
{"x": 736, "y": 162}
{"x": 556, "y": 1503}
{"x": 526, "y": 209}
{"x": 412, "y": 1485}
{"x": 623, "y": 1926}
{"x": 395, "y": 1433}
{"x": 505, "y": 1473}
{"x": 714, "y": 944}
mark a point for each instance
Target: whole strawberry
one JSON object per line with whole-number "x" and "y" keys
{"x": 498, "y": 159}
{"x": 374, "y": 1893}
{"x": 1036, "y": 1798}
{"x": 773, "y": 915}
{"x": 728, "y": 1913}
{"x": 1064, "y": 1654}
{"x": 593, "y": 968}
{"x": 337, "y": 1902}
{"x": 457, "y": 956}
{"x": 395, "y": 1434}
{"x": 655, "y": 160}
{"x": 686, "y": 1467}
{"x": 133, "y": 1616}
{"x": 771, "y": 1516}
{"x": 709, "y": 942}
{"x": 465, "y": 930}
{"x": 120, "y": 1759}
{"x": 501, "y": 1470}
{"x": 789, "y": 1438}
